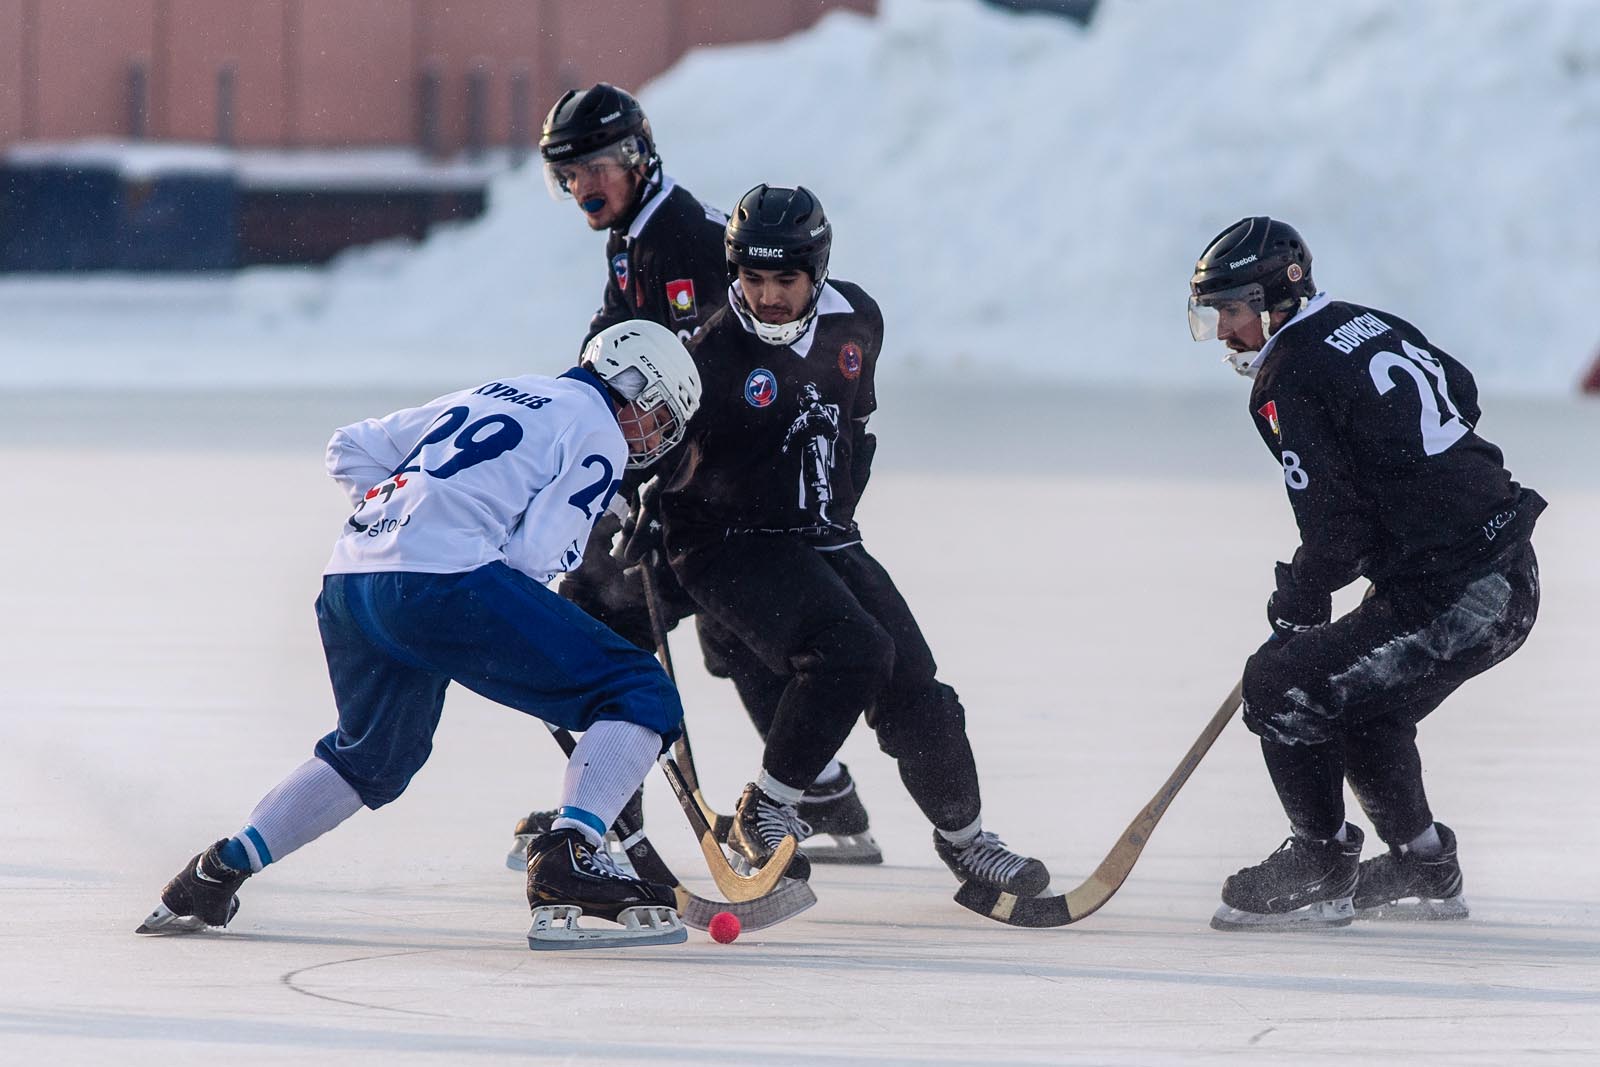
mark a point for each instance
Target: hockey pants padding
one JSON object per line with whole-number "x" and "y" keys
{"x": 1348, "y": 695}
{"x": 394, "y": 641}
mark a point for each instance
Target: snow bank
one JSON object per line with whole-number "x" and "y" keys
{"x": 1022, "y": 196}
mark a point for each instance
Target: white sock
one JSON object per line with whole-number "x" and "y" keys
{"x": 604, "y": 771}
{"x": 312, "y": 800}
{"x": 783, "y": 794}
{"x": 1427, "y": 843}
{"x": 966, "y": 835}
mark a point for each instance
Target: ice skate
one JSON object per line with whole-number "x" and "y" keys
{"x": 540, "y": 822}
{"x": 1402, "y": 886}
{"x": 200, "y": 895}
{"x": 760, "y": 824}
{"x": 1305, "y": 885}
{"x": 838, "y": 822}
{"x": 568, "y": 878}
{"x": 986, "y": 860}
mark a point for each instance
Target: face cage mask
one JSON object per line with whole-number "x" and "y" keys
{"x": 781, "y": 333}
{"x": 640, "y": 421}
{"x": 639, "y": 417}
{"x": 560, "y": 175}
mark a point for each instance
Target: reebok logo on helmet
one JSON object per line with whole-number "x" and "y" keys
{"x": 1237, "y": 263}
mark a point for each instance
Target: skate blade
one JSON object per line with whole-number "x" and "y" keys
{"x": 842, "y": 848}
{"x": 1324, "y": 915}
{"x": 1416, "y": 910}
{"x": 163, "y": 922}
{"x": 555, "y": 928}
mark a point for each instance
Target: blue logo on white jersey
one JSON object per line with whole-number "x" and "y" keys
{"x": 619, "y": 267}
{"x": 761, "y": 388}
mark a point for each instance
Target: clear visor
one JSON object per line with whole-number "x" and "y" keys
{"x": 649, "y": 424}
{"x": 1208, "y": 312}
{"x": 561, "y": 176}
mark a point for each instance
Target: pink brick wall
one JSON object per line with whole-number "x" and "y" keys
{"x": 335, "y": 73}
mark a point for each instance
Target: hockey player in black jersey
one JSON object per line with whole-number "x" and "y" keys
{"x": 1376, "y": 429}
{"x": 759, "y": 523}
{"x": 665, "y": 263}
{"x": 664, "y": 246}
{"x": 664, "y": 251}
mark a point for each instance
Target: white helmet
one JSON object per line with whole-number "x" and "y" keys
{"x": 649, "y": 371}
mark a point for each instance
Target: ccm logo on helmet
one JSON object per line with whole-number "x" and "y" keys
{"x": 756, "y": 250}
{"x": 1236, "y": 264}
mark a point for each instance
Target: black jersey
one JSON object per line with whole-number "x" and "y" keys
{"x": 779, "y": 444}
{"x": 668, "y": 266}
{"x": 1376, "y": 431}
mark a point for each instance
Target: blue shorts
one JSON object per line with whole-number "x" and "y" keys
{"x": 395, "y": 640}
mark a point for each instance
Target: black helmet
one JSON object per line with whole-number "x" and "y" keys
{"x": 1255, "y": 252}
{"x": 585, "y": 120}
{"x": 779, "y": 229}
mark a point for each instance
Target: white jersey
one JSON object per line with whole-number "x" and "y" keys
{"x": 515, "y": 471}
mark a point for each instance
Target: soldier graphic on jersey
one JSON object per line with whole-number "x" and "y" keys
{"x": 812, "y": 436}
{"x": 1376, "y": 430}
{"x": 816, "y": 631}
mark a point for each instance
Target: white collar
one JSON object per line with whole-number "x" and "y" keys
{"x": 648, "y": 208}
{"x": 831, "y": 302}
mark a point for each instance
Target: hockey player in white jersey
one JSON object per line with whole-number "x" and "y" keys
{"x": 464, "y": 508}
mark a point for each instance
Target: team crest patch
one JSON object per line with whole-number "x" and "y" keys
{"x": 760, "y": 388}
{"x": 1269, "y": 411}
{"x": 1294, "y": 272}
{"x": 680, "y": 297}
{"x": 850, "y": 360}
{"x": 619, "y": 267}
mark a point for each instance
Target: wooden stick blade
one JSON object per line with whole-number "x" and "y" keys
{"x": 788, "y": 899}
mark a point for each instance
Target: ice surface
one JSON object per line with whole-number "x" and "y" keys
{"x": 1090, "y": 568}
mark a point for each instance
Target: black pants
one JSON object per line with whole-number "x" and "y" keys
{"x": 1342, "y": 702}
{"x": 834, "y": 629}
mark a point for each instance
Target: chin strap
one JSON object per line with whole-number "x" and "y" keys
{"x": 781, "y": 333}
{"x": 1248, "y": 363}
{"x": 649, "y": 186}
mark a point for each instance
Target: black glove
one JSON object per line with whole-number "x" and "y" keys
{"x": 642, "y": 532}
{"x": 1293, "y": 610}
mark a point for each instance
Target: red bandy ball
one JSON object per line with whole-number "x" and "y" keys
{"x": 724, "y": 927}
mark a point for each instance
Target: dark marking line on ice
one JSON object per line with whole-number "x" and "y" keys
{"x": 289, "y": 977}
{"x": 1262, "y": 1034}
